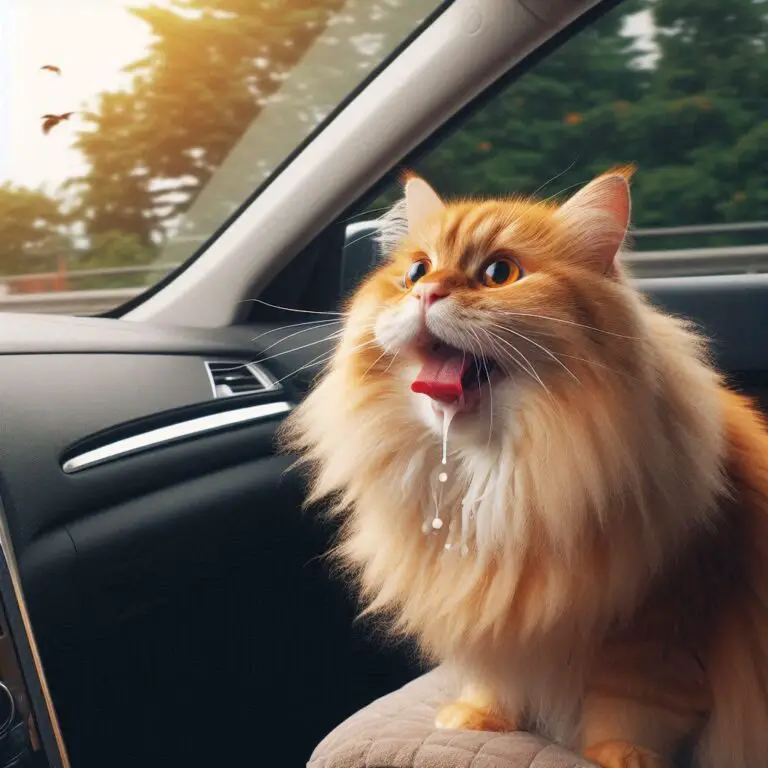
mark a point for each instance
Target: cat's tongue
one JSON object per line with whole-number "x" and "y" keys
{"x": 440, "y": 376}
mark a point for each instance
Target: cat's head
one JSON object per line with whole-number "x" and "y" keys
{"x": 480, "y": 301}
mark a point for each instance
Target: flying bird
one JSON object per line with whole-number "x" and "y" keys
{"x": 52, "y": 68}
{"x": 51, "y": 121}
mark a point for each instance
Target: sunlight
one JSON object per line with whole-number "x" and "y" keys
{"x": 91, "y": 41}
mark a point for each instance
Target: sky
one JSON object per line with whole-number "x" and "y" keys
{"x": 91, "y": 41}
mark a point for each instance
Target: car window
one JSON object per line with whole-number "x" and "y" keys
{"x": 135, "y": 128}
{"x": 677, "y": 87}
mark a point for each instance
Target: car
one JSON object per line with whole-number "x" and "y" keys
{"x": 178, "y": 589}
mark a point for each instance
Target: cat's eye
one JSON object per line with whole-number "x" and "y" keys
{"x": 501, "y": 271}
{"x": 416, "y": 271}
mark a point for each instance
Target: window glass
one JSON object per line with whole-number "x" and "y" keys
{"x": 677, "y": 87}
{"x": 132, "y": 129}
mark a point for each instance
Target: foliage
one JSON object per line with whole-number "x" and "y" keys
{"x": 211, "y": 67}
{"x": 540, "y": 127}
{"x": 31, "y": 231}
{"x": 113, "y": 249}
{"x": 694, "y": 122}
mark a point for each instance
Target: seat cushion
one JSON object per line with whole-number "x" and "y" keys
{"x": 397, "y": 731}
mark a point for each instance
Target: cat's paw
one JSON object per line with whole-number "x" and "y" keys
{"x": 463, "y": 716}
{"x": 623, "y": 754}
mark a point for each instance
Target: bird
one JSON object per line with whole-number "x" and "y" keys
{"x": 52, "y": 68}
{"x": 51, "y": 121}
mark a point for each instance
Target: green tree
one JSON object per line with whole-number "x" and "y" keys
{"x": 121, "y": 250}
{"x": 694, "y": 121}
{"x": 212, "y": 66}
{"x": 700, "y": 134}
{"x": 536, "y": 129}
{"x": 32, "y": 231}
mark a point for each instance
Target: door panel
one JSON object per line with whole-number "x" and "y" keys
{"x": 732, "y": 311}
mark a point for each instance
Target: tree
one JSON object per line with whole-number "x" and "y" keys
{"x": 213, "y": 66}
{"x": 694, "y": 121}
{"x": 536, "y": 130}
{"x": 113, "y": 249}
{"x": 32, "y": 231}
{"x": 701, "y": 135}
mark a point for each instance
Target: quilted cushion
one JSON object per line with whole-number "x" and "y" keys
{"x": 397, "y": 731}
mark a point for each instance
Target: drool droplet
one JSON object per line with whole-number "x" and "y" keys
{"x": 437, "y": 524}
{"x": 449, "y": 411}
{"x": 443, "y": 477}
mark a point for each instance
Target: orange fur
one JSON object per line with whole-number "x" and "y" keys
{"x": 611, "y": 494}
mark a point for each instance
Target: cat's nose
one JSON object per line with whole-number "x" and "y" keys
{"x": 428, "y": 293}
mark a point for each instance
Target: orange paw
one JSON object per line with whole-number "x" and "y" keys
{"x": 623, "y": 754}
{"x": 463, "y": 716}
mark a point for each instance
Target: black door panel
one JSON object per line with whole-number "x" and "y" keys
{"x": 732, "y": 311}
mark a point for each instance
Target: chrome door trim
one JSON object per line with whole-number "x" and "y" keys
{"x": 189, "y": 428}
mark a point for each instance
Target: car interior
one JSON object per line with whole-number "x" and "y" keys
{"x": 179, "y": 590}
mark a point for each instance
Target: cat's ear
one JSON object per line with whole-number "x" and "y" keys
{"x": 599, "y": 216}
{"x": 422, "y": 203}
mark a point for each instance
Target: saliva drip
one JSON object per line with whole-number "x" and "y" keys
{"x": 449, "y": 411}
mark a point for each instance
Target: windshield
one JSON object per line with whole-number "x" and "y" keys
{"x": 133, "y": 130}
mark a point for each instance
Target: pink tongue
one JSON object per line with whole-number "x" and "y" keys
{"x": 440, "y": 377}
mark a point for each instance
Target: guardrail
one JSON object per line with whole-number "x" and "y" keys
{"x": 68, "y": 302}
{"x": 661, "y": 263}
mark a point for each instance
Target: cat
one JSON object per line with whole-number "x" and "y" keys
{"x": 591, "y": 561}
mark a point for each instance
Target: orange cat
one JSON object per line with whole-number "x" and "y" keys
{"x": 592, "y": 557}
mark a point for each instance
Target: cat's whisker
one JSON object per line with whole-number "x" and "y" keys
{"x": 331, "y": 336}
{"x": 566, "y": 189}
{"x": 601, "y": 365}
{"x": 583, "y": 359}
{"x": 394, "y": 357}
{"x": 571, "y": 322}
{"x": 369, "y": 212}
{"x": 292, "y": 325}
{"x": 322, "y": 324}
{"x": 323, "y": 358}
{"x": 358, "y": 347}
{"x": 556, "y": 176}
{"x": 326, "y": 357}
{"x": 488, "y": 377}
{"x": 527, "y": 367}
{"x": 543, "y": 349}
{"x": 373, "y": 364}
{"x": 292, "y": 309}
{"x": 372, "y": 233}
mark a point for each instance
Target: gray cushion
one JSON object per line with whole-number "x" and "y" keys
{"x": 397, "y": 731}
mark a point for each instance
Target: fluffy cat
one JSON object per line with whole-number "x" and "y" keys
{"x": 592, "y": 558}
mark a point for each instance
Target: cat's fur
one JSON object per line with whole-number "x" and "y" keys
{"x": 611, "y": 492}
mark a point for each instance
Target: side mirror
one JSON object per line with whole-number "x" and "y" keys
{"x": 360, "y": 254}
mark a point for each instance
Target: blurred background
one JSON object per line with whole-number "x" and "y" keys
{"x": 183, "y": 107}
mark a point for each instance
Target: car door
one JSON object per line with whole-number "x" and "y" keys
{"x": 184, "y": 608}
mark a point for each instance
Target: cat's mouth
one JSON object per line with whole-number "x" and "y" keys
{"x": 452, "y": 376}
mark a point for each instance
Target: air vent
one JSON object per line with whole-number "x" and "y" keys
{"x": 230, "y": 378}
